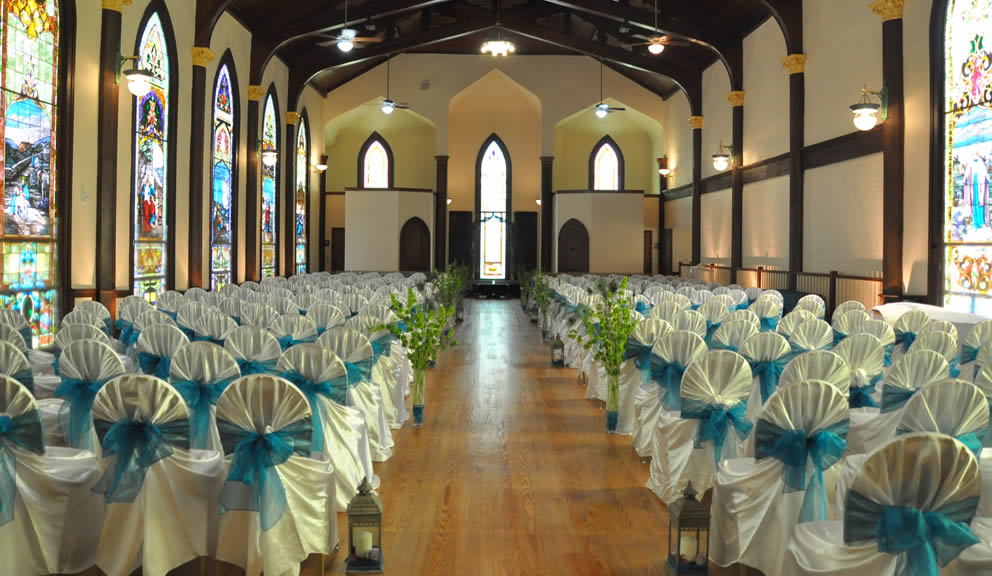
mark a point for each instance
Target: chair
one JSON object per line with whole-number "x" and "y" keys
{"x": 232, "y": 307}
{"x": 250, "y": 285}
{"x": 974, "y": 342}
{"x": 10, "y": 335}
{"x": 160, "y": 496}
{"x": 156, "y": 348}
{"x": 97, "y": 308}
{"x": 127, "y": 315}
{"x": 355, "y": 302}
{"x": 18, "y": 322}
{"x": 768, "y": 312}
{"x": 85, "y": 365}
{"x": 748, "y": 316}
{"x": 196, "y": 294}
{"x": 232, "y": 291}
{"x": 304, "y": 301}
{"x": 213, "y": 327}
{"x": 200, "y": 371}
{"x": 666, "y": 311}
{"x": 908, "y": 327}
{"x": 849, "y": 306}
{"x": 189, "y": 315}
{"x": 51, "y": 517}
{"x": 810, "y": 336}
{"x": 885, "y": 334}
{"x": 688, "y": 446}
{"x": 942, "y": 343}
{"x": 740, "y": 298}
{"x": 255, "y": 350}
{"x": 635, "y": 371}
{"x": 752, "y": 293}
{"x": 726, "y": 299}
{"x": 671, "y": 355}
{"x": 818, "y": 365}
{"x": 14, "y": 364}
{"x": 690, "y": 321}
{"x": 799, "y": 437}
{"x": 292, "y": 329}
{"x": 170, "y": 302}
{"x": 79, "y": 316}
{"x": 284, "y": 305}
{"x": 355, "y": 351}
{"x": 767, "y": 353}
{"x": 865, "y": 358}
{"x": 732, "y": 335}
{"x": 913, "y": 481}
{"x": 325, "y": 316}
{"x": 390, "y": 370}
{"x": 848, "y": 323}
{"x": 715, "y": 312}
{"x": 339, "y": 431}
{"x": 793, "y": 320}
{"x": 148, "y": 318}
{"x": 73, "y": 333}
{"x": 258, "y": 314}
{"x": 813, "y": 304}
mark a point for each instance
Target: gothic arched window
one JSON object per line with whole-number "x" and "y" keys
{"x": 223, "y": 211}
{"x": 493, "y": 205}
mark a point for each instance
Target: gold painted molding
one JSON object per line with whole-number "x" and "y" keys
{"x": 696, "y": 122}
{"x": 794, "y": 63}
{"x": 888, "y": 9}
{"x": 202, "y": 56}
{"x": 256, "y": 93}
{"x": 292, "y": 117}
{"x": 115, "y": 5}
{"x": 736, "y": 98}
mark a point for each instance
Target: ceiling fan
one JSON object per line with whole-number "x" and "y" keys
{"x": 656, "y": 44}
{"x": 387, "y": 106}
{"x": 602, "y": 109}
{"x": 349, "y": 37}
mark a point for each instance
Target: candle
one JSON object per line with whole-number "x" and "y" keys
{"x": 688, "y": 547}
{"x": 363, "y": 543}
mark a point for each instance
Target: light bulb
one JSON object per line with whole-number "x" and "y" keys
{"x": 601, "y": 112}
{"x": 269, "y": 157}
{"x": 449, "y": 202}
{"x": 664, "y": 171}
{"x": 320, "y": 167}
{"x": 865, "y": 120}
{"x": 138, "y": 82}
{"x": 387, "y": 107}
{"x": 656, "y": 48}
{"x": 538, "y": 202}
{"x": 345, "y": 45}
{"x": 721, "y": 162}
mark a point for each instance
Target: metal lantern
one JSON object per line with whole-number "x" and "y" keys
{"x": 460, "y": 311}
{"x": 688, "y": 535}
{"x": 557, "y": 352}
{"x": 364, "y": 532}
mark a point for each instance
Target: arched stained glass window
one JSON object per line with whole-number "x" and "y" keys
{"x": 968, "y": 157}
{"x": 493, "y": 181}
{"x": 30, "y": 35}
{"x": 375, "y": 163}
{"x": 606, "y": 166}
{"x": 270, "y": 212}
{"x": 302, "y": 193}
{"x": 222, "y": 181}
{"x": 151, "y": 233}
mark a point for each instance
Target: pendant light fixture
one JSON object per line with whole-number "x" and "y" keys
{"x": 498, "y": 47}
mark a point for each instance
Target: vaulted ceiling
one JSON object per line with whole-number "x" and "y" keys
{"x": 302, "y": 33}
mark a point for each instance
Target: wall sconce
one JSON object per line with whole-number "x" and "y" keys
{"x": 538, "y": 202}
{"x": 448, "y": 202}
{"x": 663, "y": 168}
{"x": 269, "y": 156}
{"x": 138, "y": 80}
{"x": 866, "y": 112}
{"x": 321, "y": 167}
{"x": 721, "y": 160}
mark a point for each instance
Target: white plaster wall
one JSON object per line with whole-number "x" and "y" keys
{"x": 373, "y": 220}
{"x": 766, "y": 101}
{"x": 765, "y": 228}
{"x": 85, "y": 152}
{"x": 916, "y": 98}
{"x": 678, "y": 218}
{"x": 615, "y": 223}
{"x": 678, "y": 140}
{"x": 843, "y": 219}
{"x": 715, "y": 235}
{"x": 717, "y": 115}
{"x": 313, "y": 103}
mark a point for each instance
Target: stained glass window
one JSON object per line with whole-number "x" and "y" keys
{"x": 376, "y": 166}
{"x": 151, "y": 233}
{"x": 270, "y": 131}
{"x": 30, "y": 34}
{"x": 492, "y": 212}
{"x": 302, "y": 194}
{"x": 968, "y": 160}
{"x": 221, "y": 196}
{"x": 606, "y": 168}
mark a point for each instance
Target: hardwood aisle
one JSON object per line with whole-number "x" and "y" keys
{"x": 513, "y": 472}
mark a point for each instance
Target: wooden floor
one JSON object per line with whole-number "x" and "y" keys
{"x": 513, "y": 472}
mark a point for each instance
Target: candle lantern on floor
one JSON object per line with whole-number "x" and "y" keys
{"x": 557, "y": 352}
{"x": 688, "y": 535}
{"x": 364, "y": 532}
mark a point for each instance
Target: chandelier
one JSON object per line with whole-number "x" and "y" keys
{"x": 498, "y": 47}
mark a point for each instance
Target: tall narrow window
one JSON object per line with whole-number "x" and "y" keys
{"x": 375, "y": 163}
{"x": 606, "y": 166}
{"x": 270, "y": 141}
{"x": 968, "y": 157}
{"x": 302, "y": 192}
{"x": 222, "y": 183}
{"x": 30, "y": 33}
{"x": 151, "y": 233}
{"x": 493, "y": 184}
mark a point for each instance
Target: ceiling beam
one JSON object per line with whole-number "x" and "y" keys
{"x": 207, "y": 14}
{"x": 789, "y": 15}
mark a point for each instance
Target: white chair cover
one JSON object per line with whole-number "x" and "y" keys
{"x": 718, "y": 381}
{"x": 732, "y": 335}
{"x": 168, "y": 519}
{"x": 924, "y": 472}
{"x": 752, "y": 293}
{"x": 812, "y": 335}
{"x": 942, "y": 343}
{"x": 756, "y": 502}
{"x": 170, "y": 302}
{"x": 232, "y": 307}
{"x": 952, "y": 407}
{"x": 189, "y": 315}
{"x": 97, "y": 308}
{"x": 14, "y": 364}
{"x": 78, "y": 316}
{"x": 886, "y": 335}
{"x": 813, "y": 304}
{"x": 907, "y": 328}
{"x": 258, "y": 314}
{"x": 48, "y": 380}
{"x": 308, "y": 524}
{"x": 767, "y": 353}
{"x": 635, "y": 372}
{"x": 255, "y": 350}
{"x": 940, "y": 326}
{"x": 345, "y": 437}
{"x": 793, "y": 320}
{"x": 768, "y": 311}
{"x": 666, "y": 311}
{"x": 974, "y": 342}
{"x": 284, "y": 305}
{"x": 293, "y": 329}
{"x": 19, "y": 323}
{"x": 213, "y": 327}
{"x": 747, "y": 316}
{"x": 85, "y": 365}
{"x": 818, "y": 365}
{"x": 304, "y": 301}
{"x": 690, "y": 321}
{"x": 715, "y": 312}
{"x": 10, "y": 334}
{"x": 848, "y": 323}
{"x": 325, "y": 316}
{"x": 200, "y": 371}
{"x": 865, "y": 358}
{"x": 156, "y": 347}
{"x": 849, "y": 306}
{"x": 54, "y": 516}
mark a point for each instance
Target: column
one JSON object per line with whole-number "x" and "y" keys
{"x": 662, "y": 186}
{"x": 252, "y": 247}
{"x": 288, "y": 157}
{"x": 893, "y": 154}
{"x": 547, "y": 211}
{"x": 696, "y": 122}
{"x": 106, "y": 169}
{"x": 736, "y": 99}
{"x": 440, "y": 212}
{"x": 796, "y": 65}
{"x": 322, "y": 217}
{"x": 201, "y": 57}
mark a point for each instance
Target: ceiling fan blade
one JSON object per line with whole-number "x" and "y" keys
{"x": 366, "y": 39}
{"x": 612, "y": 109}
{"x": 677, "y": 43}
{"x": 401, "y": 106}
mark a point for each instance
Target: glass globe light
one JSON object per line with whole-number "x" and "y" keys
{"x": 865, "y": 115}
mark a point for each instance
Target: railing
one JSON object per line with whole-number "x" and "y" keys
{"x": 833, "y": 287}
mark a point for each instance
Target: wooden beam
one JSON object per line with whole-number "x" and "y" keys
{"x": 252, "y": 245}
{"x": 207, "y": 14}
{"x": 737, "y": 193}
{"x": 106, "y": 168}
{"x": 697, "y": 193}
{"x": 894, "y": 159}
{"x": 789, "y": 15}
{"x": 547, "y": 207}
{"x": 440, "y": 211}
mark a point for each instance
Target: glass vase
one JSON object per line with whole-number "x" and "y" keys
{"x": 612, "y": 402}
{"x": 544, "y": 327}
{"x": 419, "y": 375}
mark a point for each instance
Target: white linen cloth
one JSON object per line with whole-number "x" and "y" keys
{"x": 207, "y": 364}
{"x": 633, "y": 380}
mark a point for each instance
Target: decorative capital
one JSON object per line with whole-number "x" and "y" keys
{"x": 202, "y": 56}
{"x": 888, "y": 9}
{"x": 256, "y": 93}
{"x": 794, "y": 63}
{"x": 115, "y": 5}
{"x": 292, "y": 117}
{"x": 696, "y": 122}
{"x": 736, "y": 98}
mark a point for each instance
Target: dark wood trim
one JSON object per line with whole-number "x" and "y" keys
{"x": 547, "y": 210}
{"x": 661, "y": 221}
{"x": 106, "y": 173}
{"x": 322, "y": 219}
{"x": 697, "y": 193}
{"x": 339, "y": 193}
{"x": 592, "y": 161}
{"x": 197, "y": 151}
{"x": 767, "y": 169}
{"x": 684, "y": 191}
{"x": 935, "y": 252}
{"x": 737, "y": 192}
{"x": 361, "y": 160}
{"x": 440, "y": 211}
{"x": 641, "y": 192}
{"x": 289, "y": 200}
{"x": 842, "y": 148}
{"x": 390, "y": 189}
{"x": 226, "y": 60}
{"x": 63, "y": 159}
{"x": 303, "y": 123}
{"x": 509, "y": 204}
{"x": 272, "y": 93}
{"x": 717, "y": 182}
{"x": 796, "y": 164}
{"x": 894, "y": 159}
{"x": 252, "y": 245}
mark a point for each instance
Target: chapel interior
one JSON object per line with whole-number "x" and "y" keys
{"x": 487, "y": 287}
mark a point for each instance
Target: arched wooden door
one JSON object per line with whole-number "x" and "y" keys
{"x": 415, "y": 246}
{"x": 573, "y": 248}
